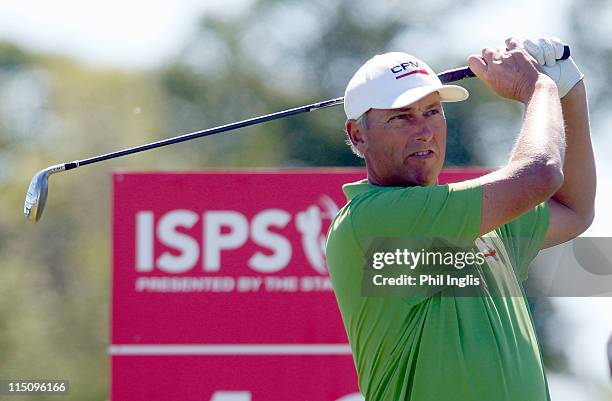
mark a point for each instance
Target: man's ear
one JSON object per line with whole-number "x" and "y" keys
{"x": 356, "y": 134}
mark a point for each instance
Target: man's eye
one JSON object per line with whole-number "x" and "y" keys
{"x": 400, "y": 117}
{"x": 433, "y": 112}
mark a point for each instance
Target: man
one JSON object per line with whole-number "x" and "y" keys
{"x": 442, "y": 347}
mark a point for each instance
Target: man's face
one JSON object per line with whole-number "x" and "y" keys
{"x": 405, "y": 147}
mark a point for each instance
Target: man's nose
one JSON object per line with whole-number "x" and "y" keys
{"x": 425, "y": 133}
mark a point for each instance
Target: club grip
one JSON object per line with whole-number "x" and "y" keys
{"x": 464, "y": 72}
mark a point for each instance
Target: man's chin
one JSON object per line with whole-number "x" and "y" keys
{"x": 422, "y": 174}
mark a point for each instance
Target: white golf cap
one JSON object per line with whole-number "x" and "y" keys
{"x": 394, "y": 80}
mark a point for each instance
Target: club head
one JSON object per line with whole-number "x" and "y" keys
{"x": 37, "y": 193}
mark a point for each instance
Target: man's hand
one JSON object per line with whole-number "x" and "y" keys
{"x": 511, "y": 74}
{"x": 547, "y": 51}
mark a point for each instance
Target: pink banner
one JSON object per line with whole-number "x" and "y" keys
{"x": 235, "y": 378}
{"x": 220, "y": 288}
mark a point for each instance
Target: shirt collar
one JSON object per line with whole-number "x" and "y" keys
{"x": 353, "y": 189}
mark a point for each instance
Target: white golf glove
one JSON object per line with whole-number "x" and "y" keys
{"x": 546, "y": 51}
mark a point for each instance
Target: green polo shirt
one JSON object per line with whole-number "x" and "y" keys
{"x": 440, "y": 347}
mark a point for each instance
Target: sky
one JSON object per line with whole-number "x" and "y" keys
{"x": 139, "y": 34}
{"x": 143, "y": 34}
{"x": 112, "y": 33}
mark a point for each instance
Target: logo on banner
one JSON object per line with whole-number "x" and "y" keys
{"x": 265, "y": 244}
{"x": 310, "y": 224}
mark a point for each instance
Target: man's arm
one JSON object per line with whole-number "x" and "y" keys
{"x": 572, "y": 206}
{"x": 534, "y": 172}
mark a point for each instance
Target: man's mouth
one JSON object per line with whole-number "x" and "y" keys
{"x": 423, "y": 154}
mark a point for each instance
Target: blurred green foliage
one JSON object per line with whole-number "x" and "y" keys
{"x": 54, "y": 276}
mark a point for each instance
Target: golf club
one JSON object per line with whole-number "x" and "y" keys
{"x": 36, "y": 196}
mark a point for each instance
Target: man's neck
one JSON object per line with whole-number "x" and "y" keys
{"x": 392, "y": 181}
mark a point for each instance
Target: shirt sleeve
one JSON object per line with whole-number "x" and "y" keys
{"x": 523, "y": 238}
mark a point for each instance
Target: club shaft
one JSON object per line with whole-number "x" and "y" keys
{"x": 446, "y": 77}
{"x": 449, "y": 76}
{"x": 207, "y": 132}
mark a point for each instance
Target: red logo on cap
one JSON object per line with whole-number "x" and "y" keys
{"x": 412, "y": 72}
